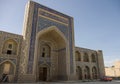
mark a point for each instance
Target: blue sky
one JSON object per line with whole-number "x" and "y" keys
{"x": 96, "y": 22}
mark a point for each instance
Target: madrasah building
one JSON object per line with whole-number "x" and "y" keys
{"x": 46, "y": 50}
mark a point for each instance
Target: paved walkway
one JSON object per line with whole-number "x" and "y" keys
{"x": 71, "y": 82}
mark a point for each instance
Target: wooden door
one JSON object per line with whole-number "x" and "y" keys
{"x": 42, "y": 73}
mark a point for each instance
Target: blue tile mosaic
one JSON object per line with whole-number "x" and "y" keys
{"x": 45, "y": 23}
{"x": 32, "y": 41}
{"x": 5, "y": 59}
{"x": 71, "y": 46}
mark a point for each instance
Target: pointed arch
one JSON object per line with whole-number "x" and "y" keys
{"x": 52, "y": 28}
{"x": 94, "y": 72}
{"x": 87, "y": 72}
{"x": 58, "y": 43}
{"x": 8, "y": 67}
{"x": 86, "y": 57}
{"x": 10, "y": 47}
{"x": 93, "y": 58}
{"x": 79, "y": 72}
{"x": 77, "y": 56}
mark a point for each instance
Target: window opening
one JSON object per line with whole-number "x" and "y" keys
{"x": 9, "y": 52}
{"x": 10, "y": 46}
{"x": 43, "y": 54}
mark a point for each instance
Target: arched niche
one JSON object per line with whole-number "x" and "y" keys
{"x": 10, "y": 47}
{"x": 7, "y": 67}
{"x": 93, "y": 58}
{"x": 87, "y": 72}
{"x": 79, "y": 72}
{"x": 86, "y": 57}
{"x": 77, "y": 56}
{"x": 56, "y": 43}
{"x": 94, "y": 72}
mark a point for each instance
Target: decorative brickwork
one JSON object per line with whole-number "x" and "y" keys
{"x": 4, "y": 59}
{"x": 40, "y": 23}
{"x": 53, "y": 17}
{"x": 32, "y": 41}
{"x": 14, "y": 58}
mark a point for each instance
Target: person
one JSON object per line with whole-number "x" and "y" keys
{"x": 4, "y": 77}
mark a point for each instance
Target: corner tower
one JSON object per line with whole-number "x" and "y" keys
{"x": 48, "y": 45}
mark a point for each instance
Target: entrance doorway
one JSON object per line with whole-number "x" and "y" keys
{"x": 43, "y": 74}
{"x": 50, "y": 45}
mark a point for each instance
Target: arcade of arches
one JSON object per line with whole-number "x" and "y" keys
{"x": 84, "y": 73}
{"x": 86, "y": 64}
